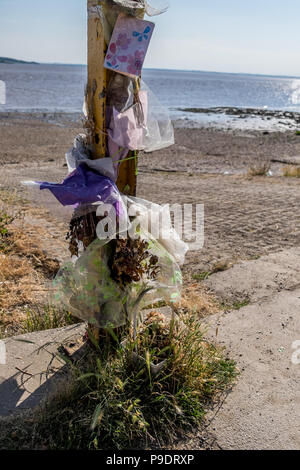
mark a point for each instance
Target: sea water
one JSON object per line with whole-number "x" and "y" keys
{"x": 189, "y": 95}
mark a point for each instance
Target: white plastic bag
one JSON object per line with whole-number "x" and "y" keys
{"x": 155, "y": 218}
{"x": 79, "y": 153}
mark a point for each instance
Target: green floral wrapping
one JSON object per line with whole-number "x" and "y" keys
{"x": 85, "y": 287}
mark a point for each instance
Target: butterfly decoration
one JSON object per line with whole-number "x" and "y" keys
{"x": 128, "y": 45}
{"x": 112, "y": 58}
{"x": 141, "y": 36}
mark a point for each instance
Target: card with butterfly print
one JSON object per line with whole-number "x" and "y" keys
{"x": 128, "y": 45}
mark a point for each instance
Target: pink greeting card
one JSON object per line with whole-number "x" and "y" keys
{"x": 128, "y": 45}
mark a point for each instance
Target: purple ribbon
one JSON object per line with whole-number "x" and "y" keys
{"x": 85, "y": 186}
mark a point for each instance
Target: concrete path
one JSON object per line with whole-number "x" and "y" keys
{"x": 263, "y": 410}
{"x": 33, "y": 367}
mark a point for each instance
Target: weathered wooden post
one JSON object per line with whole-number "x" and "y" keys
{"x": 96, "y": 85}
{"x": 98, "y": 78}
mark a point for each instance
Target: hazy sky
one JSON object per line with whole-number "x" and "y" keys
{"x": 251, "y": 36}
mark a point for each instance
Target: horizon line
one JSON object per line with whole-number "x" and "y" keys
{"x": 157, "y": 68}
{"x": 188, "y": 70}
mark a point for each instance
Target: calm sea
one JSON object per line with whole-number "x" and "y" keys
{"x": 60, "y": 88}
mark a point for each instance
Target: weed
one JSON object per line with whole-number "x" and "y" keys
{"x": 240, "y": 304}
{"x": 236, "y": 305}
{"x": 218, "y": 267}
{"x": 5, "y": 221}
{"x": 201, "y": 276}
{"x": 259, "y": 170}
{"x": 47, "y": 318}
{"x": 291, "y": 171}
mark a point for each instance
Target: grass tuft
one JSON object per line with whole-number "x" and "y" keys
{"x": 47, "y": 318}
{"x": 195, "y": 300}
{"x": 259, "y": 170}
{"x": 240, "y": 304}
{"x": 114, "y": 401}
{"x": 291, "y": 171}
{"x": 236, "y": 305}
{"x": 25, "y": 270}
{"x": 218, "y": 267}
{"x": 201, "y": 276}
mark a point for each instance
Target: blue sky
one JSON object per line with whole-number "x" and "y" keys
{"x": 253, "y": 36}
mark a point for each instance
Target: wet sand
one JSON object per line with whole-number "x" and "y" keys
{"x": 245, "y": 217}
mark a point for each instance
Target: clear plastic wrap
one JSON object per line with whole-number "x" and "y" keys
{"x": 144, "y": 125}
{"x": 153, "y": 8}
{"x": 109, "y": 10}
{"x": 120, "y": 92}
{"x": 86, "y": 289}
{"x": 127, "y": 128}
{"x": 154, "y": 217}
{"x": 159, "y": 131}
{"x": 168, "y": 284}
{"x": 156, "y": 7}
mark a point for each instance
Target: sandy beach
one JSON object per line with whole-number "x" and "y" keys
{"x": 117, "y": 334}
{"x": 251, "y": 226}
{"x": 245, "y": 216}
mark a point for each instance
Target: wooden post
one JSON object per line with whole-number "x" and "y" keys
{"x": 96, "y": 91}
{"x": 96, "y": 86}
{"x": 98, "y": 78}
{"x": 96, "y": 98}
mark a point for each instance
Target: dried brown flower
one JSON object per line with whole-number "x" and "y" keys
{"x": 130, "y": 260}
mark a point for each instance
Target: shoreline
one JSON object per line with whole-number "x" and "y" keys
{"x": 36, "y": 138}
{"x": 235, "y": 118}
{"x": 245, "y": 216}
{"x": 249, "y": 120}
{"x": 222, "y": 118}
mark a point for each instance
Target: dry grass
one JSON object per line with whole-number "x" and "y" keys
{"x": 261, "y": 169}
{"x": 17, "y": 281}
{"x": 217, "y": 267}
{"x": 11, "y": 199}
{"x": 27, "y": 242}
{"x": 221, "y": 266}
{"x": 25, "y": 269}
{"x": 196, "y": 300}
{"x": 12, "y": 268}
{"x": 291, "y": 171}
